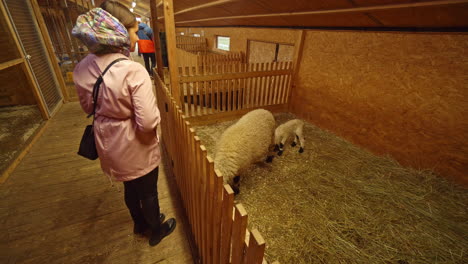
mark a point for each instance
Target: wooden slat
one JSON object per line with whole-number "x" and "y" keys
{"x": 203, "y": 205}
{"x": 249, "y": 88}
{"x": 217, "y": 213}
{"x": 219, "y": 87}
{"x": 198, "y": 170}
{"x": 267, "y": 80}
{"x": 238, "y": 234}
{"x": 288, "y": 85}
{"x": 197, "y": 217}
{"x": 228, "y": 89}
{"x": 210, "y": 197}
{"x": 256, "y": 248}
{"x": 226, "y": 225}
{"x": 262, "y": 84}
{"x": 190, "y": 173}
{"x": 11, "y": 63}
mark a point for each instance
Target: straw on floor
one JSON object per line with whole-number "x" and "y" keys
{"x": 338, "y": 203}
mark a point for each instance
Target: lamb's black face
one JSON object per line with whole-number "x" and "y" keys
{"x": 236, "y": 179}
{"x": 236, "y": 184}
{"x": 236, "y": 190}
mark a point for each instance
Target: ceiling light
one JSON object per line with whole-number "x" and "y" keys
{"x": 133, "y": 4}
{"x": 131, "y": 10}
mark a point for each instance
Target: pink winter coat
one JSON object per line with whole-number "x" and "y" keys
{"x": 126, "y": 115}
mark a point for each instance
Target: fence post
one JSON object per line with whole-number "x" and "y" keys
{"x": 171, "y": 48}
{"x": 157, "y": 42}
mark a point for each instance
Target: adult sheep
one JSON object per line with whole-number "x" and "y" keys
{"x": 244, "y": 143}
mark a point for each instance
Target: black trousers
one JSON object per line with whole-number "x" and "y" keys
{"x": 147, "y": 57}
{"x": 141, "y": 198}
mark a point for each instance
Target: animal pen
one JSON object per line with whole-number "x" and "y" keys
{"x": 208, "y": 88}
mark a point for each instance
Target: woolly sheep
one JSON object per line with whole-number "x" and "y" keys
{"x": 283, "y": 132}
{"x": 244, "y": 143}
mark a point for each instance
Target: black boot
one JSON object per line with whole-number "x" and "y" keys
{"x": 163, "y": 231}
{"x": 141, "y": 227}
{"x": 150, "y": 208}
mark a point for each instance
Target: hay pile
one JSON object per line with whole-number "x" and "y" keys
{"x": 17, "y": 125}
{"x": 337, "y": 203}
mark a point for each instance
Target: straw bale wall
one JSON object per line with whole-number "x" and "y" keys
{"x": 400, "y": 94}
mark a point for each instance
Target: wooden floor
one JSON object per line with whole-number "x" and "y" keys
{"x": 57, "y": 207}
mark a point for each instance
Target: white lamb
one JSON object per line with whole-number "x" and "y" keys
{"x": 244, "y": 143}
{"x": 283, "y": 132}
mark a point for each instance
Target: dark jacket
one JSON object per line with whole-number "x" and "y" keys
{"x": 145, "y": 32}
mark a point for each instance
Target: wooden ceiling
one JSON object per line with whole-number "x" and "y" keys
{"x": 443, "y": 14}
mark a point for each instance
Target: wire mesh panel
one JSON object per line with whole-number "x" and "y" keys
{"x": 29, "y": 35}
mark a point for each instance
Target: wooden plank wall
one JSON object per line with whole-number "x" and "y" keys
{"x": 188, "y": 58}
{"x": 215, "y": 88}
{"x": 211, "y": 58}
{"x": 401, "y": 94}
{"x": 193, "y": 44}
{"x": 240, "y": 36}
{"x": 218, "y": 227}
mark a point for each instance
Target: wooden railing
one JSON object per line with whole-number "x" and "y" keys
{"x": 193, "y": 44}
{"x": 218, "y": 227}
{"x": 211, "y": 89}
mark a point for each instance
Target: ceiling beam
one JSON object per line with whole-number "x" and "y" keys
{"x": 335, "y": 11}
{"x": 211, "y": 4}
{"x": 198, "y": 7}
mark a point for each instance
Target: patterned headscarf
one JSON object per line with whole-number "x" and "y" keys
{"x": 100, "y": 31}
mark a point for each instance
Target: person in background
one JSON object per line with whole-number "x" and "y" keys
{"x": 146, "y": 46}
{"x": 126, "y": 115}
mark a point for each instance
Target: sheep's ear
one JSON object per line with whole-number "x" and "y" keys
{"x": 236, "y": 179}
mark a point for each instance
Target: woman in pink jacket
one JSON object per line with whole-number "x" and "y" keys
{"x": 126, "y": 115}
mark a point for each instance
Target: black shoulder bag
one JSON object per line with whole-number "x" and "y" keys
{"x": 88, "y": 144}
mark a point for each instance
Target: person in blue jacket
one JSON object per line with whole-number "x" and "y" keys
{"x": 146, "y": 46}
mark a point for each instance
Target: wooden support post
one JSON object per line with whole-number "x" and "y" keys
{"x": 169, "y": 24}
{"x": 296, "y": 63}
{"x": 156, "y": 39}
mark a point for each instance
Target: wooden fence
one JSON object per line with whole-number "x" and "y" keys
{"x": 218, "y": 227}
{"x": 217, "y": 88}
{"x": 193, "y": 44}
{"x": 190, "y": 59}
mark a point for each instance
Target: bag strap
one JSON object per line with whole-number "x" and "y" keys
{"x": 98, "y": 84}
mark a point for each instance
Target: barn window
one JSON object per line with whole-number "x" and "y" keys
{"x": 223, "y": 43}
